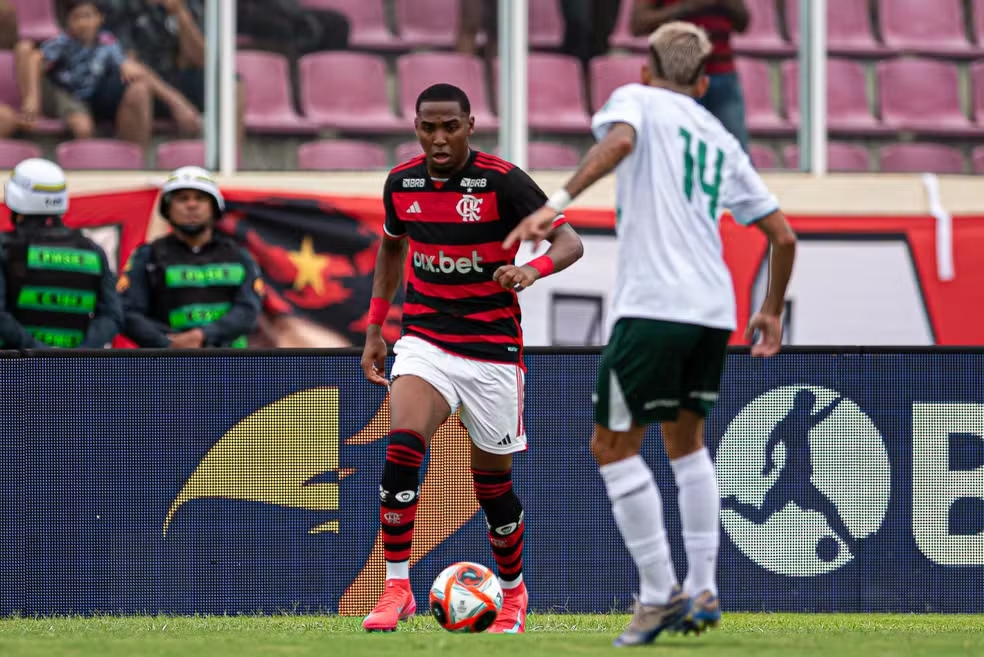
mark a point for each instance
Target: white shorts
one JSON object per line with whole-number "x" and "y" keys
{"x": 490, "y": 395}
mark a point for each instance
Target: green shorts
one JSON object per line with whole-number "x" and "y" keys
{"x": 651, "y": 369}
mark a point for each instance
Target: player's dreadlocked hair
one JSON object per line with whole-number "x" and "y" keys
{"x": 678, "y": 52}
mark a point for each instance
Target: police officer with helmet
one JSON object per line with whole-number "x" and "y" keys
{"x": 194, "y": 287}
{"x": 56, "y": 285}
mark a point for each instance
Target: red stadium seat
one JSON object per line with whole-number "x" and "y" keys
{"x": 841, "y": 157}
{"x": 408, "y": 150}
{"x": 848, "y": 111}
{"x": 340, "y": 155}
{"x": 609, "y": 72}
{"x": 184, "y": 152}
{"x": 36, "y": 19}
{"x": 557, "y": 102}
{"x": 13, "y": 151}
{"x": 760, "y": 112}
{"x": 99, "y": 154}
{"x": 764, "y": 36}
{"x": 921, "y": 158}
{"x": 930, "y": 28}
{"x": 367, "y": 21}
{"x": 977, "y": 157}
{"x": 546, "y": 25}
{"x": 266, "y": 83}
{"x": 763, "y": 157}
{"x": 427, "y": 23}
{"x": 923, "y": 96}
{"x": 977, "y": 91}
{"x": 848, "y": 28}
{"x": 550, "y": 155}
{"x": 417, "y": 71}
{"x": 364, "y": 107}
{"x": 622, "y": 35}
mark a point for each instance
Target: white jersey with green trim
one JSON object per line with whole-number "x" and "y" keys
{"x": 670, "y": 194}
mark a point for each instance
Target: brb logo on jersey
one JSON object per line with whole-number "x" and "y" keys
{"x": 468, "y": 207}
{"x": 804, "y": 476}
{"x": 445, "y": 264}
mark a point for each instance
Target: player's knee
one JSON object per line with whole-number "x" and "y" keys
{"x": 400, "y": 483}
{"x": 495, "y": 494}
{"x": 609, "y": 446}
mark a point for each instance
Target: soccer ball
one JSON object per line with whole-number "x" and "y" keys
{"x": 466, "y": 597}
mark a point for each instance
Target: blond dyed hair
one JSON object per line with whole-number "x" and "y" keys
{"x": 678, "y": 52}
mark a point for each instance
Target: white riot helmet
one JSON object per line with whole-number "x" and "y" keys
{"x": 191, "y": 178}
{"x": 36, "y": 187}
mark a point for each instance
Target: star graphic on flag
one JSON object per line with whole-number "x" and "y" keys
{"x": 309, "y": 266}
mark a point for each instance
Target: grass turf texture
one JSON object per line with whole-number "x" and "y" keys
{"x": 740, "y": 635}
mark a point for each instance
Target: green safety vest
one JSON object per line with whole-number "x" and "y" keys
{"x": 191, "y": 290}
{"x": 54, "y": 280}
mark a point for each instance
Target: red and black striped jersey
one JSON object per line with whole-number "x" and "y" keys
{"x": 455, "y": 230}
{"x": 718, "y": 24}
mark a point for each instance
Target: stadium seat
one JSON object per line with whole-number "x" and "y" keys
{"x": 427, "y": 23}
{"x": 10, "y": 95}
{"x": 764, "y": 36}
{"x": 977, "y": 158}
{"x": 921, "y": 158}
{"x": 760, "y": 112}
{"x": 977, "y": 8}
{"x": 340, "y": 155}
{"x": 550, "y": 155}
{"x": 841, "y": 157}
{"x": 182, "y": 152}
{"x": 929, "y": 28}
{"x": 367, "y": 22}
{"x": 99, "y": 154}
{"x": 848, "y": 111}
{"x": 546, "y": 25}
{"x": 977, "y": 91}
{"x": 364, "y": 107}
{"x": 557, "y": 101}
{"x": 763, "y": 157}
{"x": 266, "y": 83}
{"x": 417, "y": 71}
{"x": 848, "y": 28}
{"x": 609, "y": 72}
{"x": 36, "y": 19}
{"x": 408, "y": 150}
{"x": 12, "y": 151}
{"x": 922, "y": 96}
{"x": 622, "y": 35}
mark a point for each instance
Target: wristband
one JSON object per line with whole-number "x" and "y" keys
{"x": 378, "y": 310}
{"x": 560, "y": 200}
{"x": 544, "y": 265}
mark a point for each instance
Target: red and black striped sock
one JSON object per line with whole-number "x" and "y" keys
{"x": 504, "y": 517}
{"x": 399, "y": 489}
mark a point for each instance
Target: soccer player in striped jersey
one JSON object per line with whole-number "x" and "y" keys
{"x": 448, "y": 211}
{"x": 674, "y": 312}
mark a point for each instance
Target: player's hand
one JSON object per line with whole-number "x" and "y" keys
{"x": 374, "y": 357}
{"x": 192, "y": 339}
{"x": 533, "y": 228}
{"x": 511, "y": 276}
{"x": 770, "y": 334}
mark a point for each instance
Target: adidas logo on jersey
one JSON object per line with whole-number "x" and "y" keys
{"x": 414, "y": 208}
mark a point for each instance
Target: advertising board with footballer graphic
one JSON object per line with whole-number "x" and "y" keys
{"x": 248, "y": 482}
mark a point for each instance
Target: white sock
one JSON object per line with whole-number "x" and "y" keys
{"x": 397, "y": 570}
{"x": 700, "y": 510}
{"x": 514, "y": 584}
{"x": 638, "y": 513}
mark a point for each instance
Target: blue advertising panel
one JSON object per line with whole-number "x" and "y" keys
{"x": 246, "y": 482}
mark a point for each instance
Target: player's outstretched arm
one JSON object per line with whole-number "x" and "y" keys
{"x": 601, "y": 160}
{"x": 565, "y": 249}
{"x": 386, "y": 278}
{"x": 768, "y": 320}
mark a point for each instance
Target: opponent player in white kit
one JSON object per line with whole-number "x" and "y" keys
{"x": 674, "y": 311}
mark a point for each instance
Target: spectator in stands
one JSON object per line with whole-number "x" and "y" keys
{"x": 288, "y": 27}
{"x": 56, "y": 286}
{"x": 166, "y": 35}
{"x": 195, "y": 287}
{"x": 476, "y": 16}
{"x": 719, "y": 18}
{"x": 82, "y": 76}
{"x": 8, "y": 25}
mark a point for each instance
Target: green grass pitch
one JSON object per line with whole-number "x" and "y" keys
{"x": 740, "y": 635}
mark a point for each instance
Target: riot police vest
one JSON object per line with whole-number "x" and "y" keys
{"x": 190, "y": 290}
{"x": 54, "y": 279}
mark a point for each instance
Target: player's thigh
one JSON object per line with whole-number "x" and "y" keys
{"x": 640, "y": 374}
{"x": 702, "y": 371}
{"x": 491, "y": 407}
{"x": 422, "y": 395}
